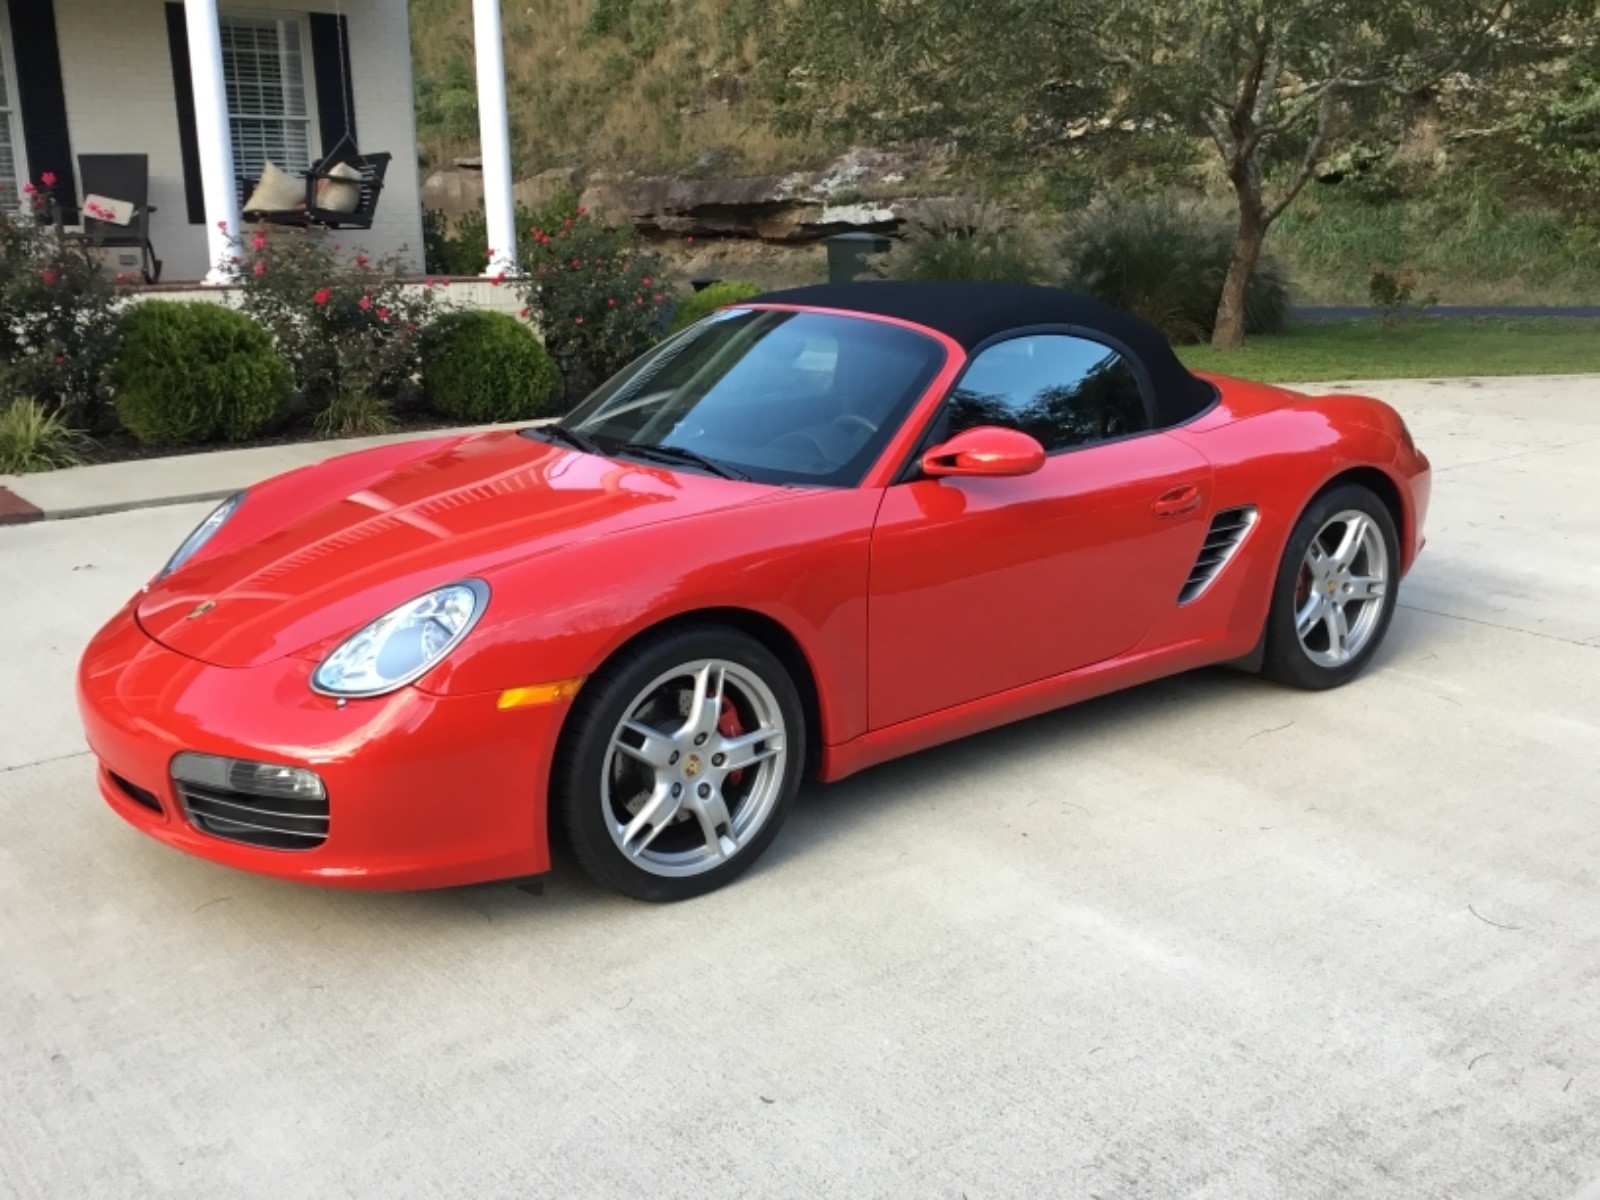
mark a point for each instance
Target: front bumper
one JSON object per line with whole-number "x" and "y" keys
{"x": 424, "y": 791}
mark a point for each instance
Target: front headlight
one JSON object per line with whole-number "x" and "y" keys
{"x": 402, "y": 644}
{"x": 203, "y": 533}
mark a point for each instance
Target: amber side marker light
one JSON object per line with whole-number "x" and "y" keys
{"x": 539, "y": 693}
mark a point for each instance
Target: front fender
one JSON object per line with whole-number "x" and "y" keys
{"x": 799, "y": 559}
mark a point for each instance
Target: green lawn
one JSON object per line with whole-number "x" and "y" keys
{"x": 1324, "y": 350}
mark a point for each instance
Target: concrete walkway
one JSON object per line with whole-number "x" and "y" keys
{"x": 1208, "y": 938}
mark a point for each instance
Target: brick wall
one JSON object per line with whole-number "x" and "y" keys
{"x": 118, "y": 74}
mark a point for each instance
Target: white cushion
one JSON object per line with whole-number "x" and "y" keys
{"x": 336, "y": 195}
{"x": 278, "y": 191}
{"x": 112, "y": 212}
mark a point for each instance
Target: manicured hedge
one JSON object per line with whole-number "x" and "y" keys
{"x": 486, "y": 366}
{"x": 197, "y": 372}
{"x": 705, "y": 302}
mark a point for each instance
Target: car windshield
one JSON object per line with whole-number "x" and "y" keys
{"x": 765, "y": 394}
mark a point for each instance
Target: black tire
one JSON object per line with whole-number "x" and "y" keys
{"x": 579, "y": 808}
{"x": 1288, "y": 660}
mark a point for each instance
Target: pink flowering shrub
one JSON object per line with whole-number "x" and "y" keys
{"x": 58, "y": 325}
{"x": 596, "y": 294}
{"x": 346, "y": 328}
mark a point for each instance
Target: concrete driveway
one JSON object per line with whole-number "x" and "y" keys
{"x": 1207, "y": 938}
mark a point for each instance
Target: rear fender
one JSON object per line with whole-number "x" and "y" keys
{"x": 1277, "y": 462}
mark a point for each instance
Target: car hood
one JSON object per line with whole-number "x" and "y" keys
{"x": 467, "y": 509}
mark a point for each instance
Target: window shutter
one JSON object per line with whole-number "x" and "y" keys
{"x": 183, "y": 91}
{"x": 43, "y": 99}
{"x": 336, "y": 93}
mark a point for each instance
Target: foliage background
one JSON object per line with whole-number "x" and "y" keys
{"x": 1489, "y": 194}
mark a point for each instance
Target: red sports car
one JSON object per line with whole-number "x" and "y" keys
{"x": 809, "y": 534}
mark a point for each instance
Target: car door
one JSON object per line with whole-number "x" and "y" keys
{"x": 983, "y": 584}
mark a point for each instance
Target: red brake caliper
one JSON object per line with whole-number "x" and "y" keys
{"x": 729, "y": 726}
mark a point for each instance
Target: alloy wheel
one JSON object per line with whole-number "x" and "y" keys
{"x": 1341, "y": 589}
{"x": 694, "y": 769}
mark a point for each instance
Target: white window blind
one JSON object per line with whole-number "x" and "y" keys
{"x": 12, "y": 169}
{"x": 269, "y": 113}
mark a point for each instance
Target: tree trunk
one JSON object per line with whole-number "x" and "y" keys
{"x": 1253, "y": 224}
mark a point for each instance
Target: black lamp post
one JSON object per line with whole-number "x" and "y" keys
{"x": 564, "y": 365}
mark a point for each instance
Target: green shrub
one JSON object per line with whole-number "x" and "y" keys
{"x": 355, "y": 414}
{"x": 1166, "y": 260}
{"x": 706, "y": 301}
{"x": 486, "y": 366}
{"x": 462, "y": 247}
{"x": 447, "y": 100}
{"x": 970, "y": 242}
{"x": 197, "y": 372}
{"x": 35, "y": 439}
{"x": 640, "y": 24}
{"x": 1394, "y": 294}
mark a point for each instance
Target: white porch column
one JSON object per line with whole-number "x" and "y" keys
{"x": 494, "y": 129}
{"x": 216, "y": 142}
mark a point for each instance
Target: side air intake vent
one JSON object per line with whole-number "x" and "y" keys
{"x": 1223, "y": 539}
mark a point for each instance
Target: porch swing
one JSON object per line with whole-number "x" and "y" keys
{"x": 342, "y": 188}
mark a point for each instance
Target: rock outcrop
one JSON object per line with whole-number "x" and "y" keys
{"x": 459, "y": 191}
{"x": 862, "y": 191}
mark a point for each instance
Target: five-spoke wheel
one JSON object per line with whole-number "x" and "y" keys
{"x": 680, "y": 761}
{"x": 1340, "y": 591}
{"x": 1335, "y": 590}
{"x": 695, "y": 768}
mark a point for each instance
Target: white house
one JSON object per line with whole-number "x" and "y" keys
{"x": 209, "y": 90}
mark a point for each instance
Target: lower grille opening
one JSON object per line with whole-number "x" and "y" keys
{"x": 246, "y": 803}
{"x": 135, "y": 793}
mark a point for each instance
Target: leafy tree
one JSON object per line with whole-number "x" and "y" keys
{"x": 1282, "y": 83}
{"x": 1275, "y": 86}
{"x": 1540, "y": 134}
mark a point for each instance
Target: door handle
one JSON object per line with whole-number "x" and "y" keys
{"x": 1179, "y": 501}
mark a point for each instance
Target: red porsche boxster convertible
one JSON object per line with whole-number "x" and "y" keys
{"x": 808, "y": 534}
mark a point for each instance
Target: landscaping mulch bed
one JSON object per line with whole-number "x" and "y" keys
{"x": 14, "y": 510}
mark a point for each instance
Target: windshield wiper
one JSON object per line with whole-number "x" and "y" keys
{"x": 678, "y": 454}
{"x": 571, "y": 437}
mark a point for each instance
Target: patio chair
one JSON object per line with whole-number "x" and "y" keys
{"x": 371, "y": 169}
{"x": 124, "y": 180}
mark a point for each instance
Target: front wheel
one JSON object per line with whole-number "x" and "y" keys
{"x": 681, "y": 760}
{"x": 1335, "y": 591}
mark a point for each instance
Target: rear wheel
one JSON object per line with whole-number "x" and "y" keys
{"x": 681, "y": 761}
{"x": 1335, "y": 590}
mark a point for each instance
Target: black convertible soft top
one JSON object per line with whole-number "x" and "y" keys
{"x": 973, "y": 313}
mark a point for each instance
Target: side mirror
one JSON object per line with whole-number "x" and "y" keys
{"x": 987, "y": 450}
